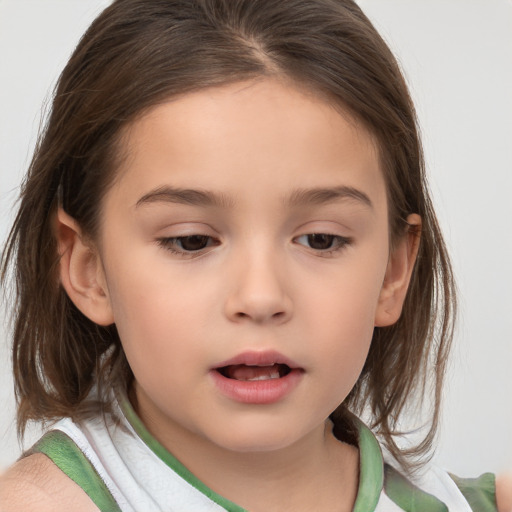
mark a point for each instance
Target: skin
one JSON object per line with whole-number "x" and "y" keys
{"x": 35, "y": 483}
{"x": 504, "y": 492}
{"x": 257, "y": 284}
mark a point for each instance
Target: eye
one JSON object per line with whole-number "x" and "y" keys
{"x": 323, "y": 242}
{"x": 187, "y": 244}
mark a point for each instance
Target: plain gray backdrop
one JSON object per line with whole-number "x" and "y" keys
{"x": 457, "y": 57}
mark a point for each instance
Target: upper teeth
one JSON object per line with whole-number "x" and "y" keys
{"x": 273, "y": 375}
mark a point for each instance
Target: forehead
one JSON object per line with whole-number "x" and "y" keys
{"x": 258, "y": 133}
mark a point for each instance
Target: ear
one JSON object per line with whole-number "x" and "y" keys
{"x": 81, "y": 271}
{"x": 398, "y": 274}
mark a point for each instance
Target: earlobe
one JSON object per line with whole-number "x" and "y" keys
{"x": 398, "y": 274}
{"x": 81, "y": 271}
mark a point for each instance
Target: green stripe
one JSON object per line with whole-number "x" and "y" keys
{"x": 407, "y": 496}
{"x": 170, "y": 460}
{"x": 479, "y": 492}
{"x": 67, "y": 456}
{"x": 371, "y": 473}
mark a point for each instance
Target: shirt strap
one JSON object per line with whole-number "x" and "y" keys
{"x": 407, "y": 496}
{"x": 479, "y": 492}
{"x": 66, "y": 455}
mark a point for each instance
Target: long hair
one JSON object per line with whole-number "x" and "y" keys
{"x": 139, "y": 53}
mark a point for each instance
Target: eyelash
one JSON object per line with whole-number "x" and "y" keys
{"x": 170, "y": 244}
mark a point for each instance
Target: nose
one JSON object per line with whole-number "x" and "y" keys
{"x": 258, "y": 289}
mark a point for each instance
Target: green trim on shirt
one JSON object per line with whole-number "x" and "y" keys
{"x": 479, "y": 492}
{"x": 170, "y": 460}
{"x": 374, "y": 475}
{"x": 66, "y": 455}
{"x": 371, "y": 473}
{"x": 407, "y": 496}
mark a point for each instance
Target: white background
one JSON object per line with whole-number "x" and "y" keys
{"x": 457, "y": 57}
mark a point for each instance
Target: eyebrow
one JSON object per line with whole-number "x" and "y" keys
{"x": 318, "y": 196}
{"x": 299, "y": 197}
{"x": 192, "y": 197}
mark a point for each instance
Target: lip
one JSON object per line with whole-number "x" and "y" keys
{"x": 258, "y": 358}
{"x": 262, "y": 391}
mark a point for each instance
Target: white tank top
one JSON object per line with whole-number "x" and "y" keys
{"x": 122, "y": 467}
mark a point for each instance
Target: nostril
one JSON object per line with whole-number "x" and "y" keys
{"x": 246, "y": 304}
{"x": 259, "y": 317}
{"x": 278, "y": 317}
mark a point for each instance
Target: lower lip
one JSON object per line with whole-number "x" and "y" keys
{"x": 257, "y": 391}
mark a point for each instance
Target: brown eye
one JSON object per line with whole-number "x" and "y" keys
{"x": 190, "y": 244}
{"x": 320, "y": 241}
{"x": 323, "y": 243}
{"x": 193, "y": 242}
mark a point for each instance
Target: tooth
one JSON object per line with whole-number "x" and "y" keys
{"x": 273, "y": 375}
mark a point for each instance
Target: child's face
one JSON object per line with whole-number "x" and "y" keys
{"x": 248, "y": 226}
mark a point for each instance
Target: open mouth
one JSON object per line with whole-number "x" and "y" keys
{"x": 257, "y": 377}
{"x": 250, "y": 373}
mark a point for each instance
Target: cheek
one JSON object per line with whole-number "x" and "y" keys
{"x": 150, "y": 313}
{"x": 345, "y": 318}
{"x": 348, "y": 333}
{"x": 346, "y": 299}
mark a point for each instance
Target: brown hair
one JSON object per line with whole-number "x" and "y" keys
{"x": 138, "y": 53}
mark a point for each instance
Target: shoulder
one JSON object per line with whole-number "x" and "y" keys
{"x": 36, "y": 483}
{"x": 504, "y": 492}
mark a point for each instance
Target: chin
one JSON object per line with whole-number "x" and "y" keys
{"x": 258, "y": 437}
{"x": 255, "y": 446}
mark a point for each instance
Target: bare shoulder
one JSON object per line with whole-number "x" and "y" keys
{"x": 504, "y": 492}
{"x": 35, "y": 483}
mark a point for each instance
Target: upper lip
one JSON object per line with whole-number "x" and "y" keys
{"x": 258, "y": 358}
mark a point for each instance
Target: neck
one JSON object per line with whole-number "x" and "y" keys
{"x": 321, "y": 470}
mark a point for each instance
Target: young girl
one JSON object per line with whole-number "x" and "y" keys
{"x": 225, "y": 253}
